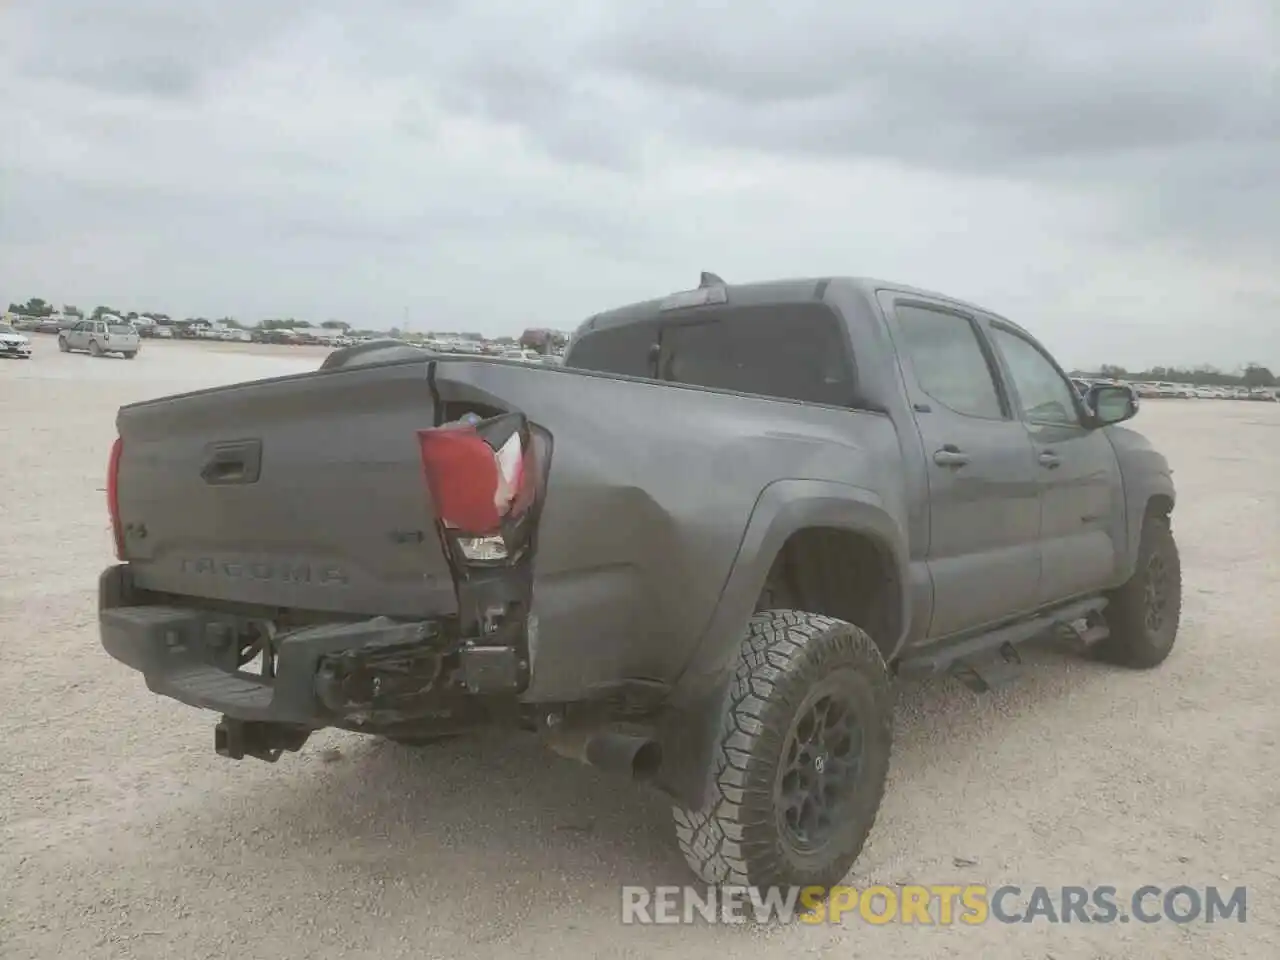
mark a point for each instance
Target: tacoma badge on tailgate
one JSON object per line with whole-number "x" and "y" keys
{"x": 265, "y": 570}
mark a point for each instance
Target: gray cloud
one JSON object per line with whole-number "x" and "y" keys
{"x": 1175, "y": 107}
{"x": 1062, "y": 160}
{"x": 145, "y": 48}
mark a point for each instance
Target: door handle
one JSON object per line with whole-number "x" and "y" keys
{"x": 950, "y": 456}
{"x": 1050, "y": 460}
{"x": 239, "y": 461}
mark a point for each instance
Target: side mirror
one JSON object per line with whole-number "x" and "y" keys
{"x": 1111, "y": 404}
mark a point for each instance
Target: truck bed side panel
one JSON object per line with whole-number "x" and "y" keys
{"x": 651, "y": 490}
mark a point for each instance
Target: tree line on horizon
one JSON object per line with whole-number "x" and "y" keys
{"x": 1252, "y": 375}
{"x": 38, "y": 307}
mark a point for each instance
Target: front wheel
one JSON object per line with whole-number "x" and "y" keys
{"x": 94, "y": 349}
{"x": 798, "y": 773}
{"x": 63, "y": 345}
{"x": 1143, "y": 615}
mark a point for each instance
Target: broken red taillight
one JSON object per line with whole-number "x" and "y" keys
{"x": 480, "y": 475}
{"x": 113, "y": 496}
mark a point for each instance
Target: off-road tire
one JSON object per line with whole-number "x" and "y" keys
{"x": 95, "y": 350}
{"x": 131, "y": 355}
{"x": 63, "y": 345}
{"x": 1133, "y": 642}
{"x": 737, "y": 837}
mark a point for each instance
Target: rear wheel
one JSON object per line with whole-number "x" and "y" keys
{"x": 130, "y": 356}
{"x": 94, "y": 349}
{"x": 1143, "y": 615}
{"x": 799, "y": 771}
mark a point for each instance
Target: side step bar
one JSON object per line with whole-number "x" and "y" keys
{"x": 990, "y": 659}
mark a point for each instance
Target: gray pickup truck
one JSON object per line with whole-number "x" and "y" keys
{"x": 697, "y": 553}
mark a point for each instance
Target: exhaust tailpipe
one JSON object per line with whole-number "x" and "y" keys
{"x": 636, "y": 757}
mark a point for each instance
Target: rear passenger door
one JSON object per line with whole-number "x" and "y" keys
{"x": 984, "y": 509}
{"x": 1081, "y": 497}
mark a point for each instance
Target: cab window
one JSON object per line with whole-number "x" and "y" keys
{"x": 948, "y": 360}
{"x": 1046, "y": 395}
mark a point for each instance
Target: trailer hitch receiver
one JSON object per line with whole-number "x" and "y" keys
{"x": 237, "y": 739}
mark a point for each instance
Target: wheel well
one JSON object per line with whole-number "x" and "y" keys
{"x": 1161, "y": 505}
{"x": 842, "y": 574}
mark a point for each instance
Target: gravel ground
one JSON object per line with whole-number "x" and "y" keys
{"x": 124, "y": 835}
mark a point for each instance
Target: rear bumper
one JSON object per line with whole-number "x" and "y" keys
{"x": 373, "y": 673}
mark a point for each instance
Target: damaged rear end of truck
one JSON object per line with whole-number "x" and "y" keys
{"x": 343, "y": 548}
{"x": 412, "y": 545}
{"x": 659, "y": 558}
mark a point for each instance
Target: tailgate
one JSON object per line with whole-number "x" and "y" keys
{"x": 304, "y": 492}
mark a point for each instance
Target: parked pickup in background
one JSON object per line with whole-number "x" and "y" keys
{"x": 696, "y": 554}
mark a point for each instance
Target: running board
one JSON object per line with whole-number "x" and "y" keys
{"x": 991, "y": 659}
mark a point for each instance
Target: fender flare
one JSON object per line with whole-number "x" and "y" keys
{"x": 1156, "y": 486}
{"x": 691, "y": 723}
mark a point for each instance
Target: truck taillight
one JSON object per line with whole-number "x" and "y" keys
{"x": 113, "y": 496}
{"x": 481, "y": 478}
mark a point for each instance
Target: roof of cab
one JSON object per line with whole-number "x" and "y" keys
{"x": 770, "y": 291}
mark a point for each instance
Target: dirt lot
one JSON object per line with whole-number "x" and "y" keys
{"x": 124, "y": 835}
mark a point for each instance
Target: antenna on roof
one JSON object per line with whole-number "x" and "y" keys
{"x": 710, "y": 280}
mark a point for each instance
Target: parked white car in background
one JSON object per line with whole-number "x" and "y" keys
{"x": 525, "y": 356}
{"x": 99, "y": 337}
{"x": 13, "y": 343}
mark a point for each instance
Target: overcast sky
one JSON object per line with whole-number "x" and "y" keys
{"x": 1106, "y": 173}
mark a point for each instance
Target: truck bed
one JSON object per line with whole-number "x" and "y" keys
{"x": 650, "y": 491}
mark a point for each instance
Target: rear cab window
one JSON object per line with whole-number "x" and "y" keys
{"x": 787, "y": 351}
{"x": 629, "y": 350}
{"x": 120, "y": 328}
